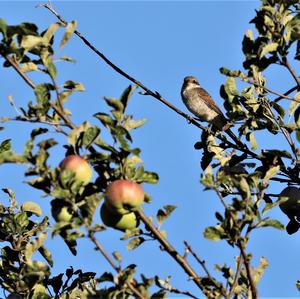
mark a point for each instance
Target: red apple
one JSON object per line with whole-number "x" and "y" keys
{"x": 123, "y": 197}
{"x": 118, "y": 221}
{"x": 291, "y": 206}
{"x": 82, "y": 169}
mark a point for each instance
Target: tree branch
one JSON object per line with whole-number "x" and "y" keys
{"x": 99, "y": 247}
{"x": 172, "y": 251}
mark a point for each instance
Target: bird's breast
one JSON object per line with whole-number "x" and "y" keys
{"x": 197, "y": 105}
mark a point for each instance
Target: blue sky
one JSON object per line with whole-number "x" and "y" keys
{"x": 158, "y": 43}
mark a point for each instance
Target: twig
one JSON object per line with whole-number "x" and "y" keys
{"x": 114, "y": 266}
{"x": 241, "y": 245}
{"x": 281, "y": 96}
{"x": 202, "y": 263}
{"x": 286, "y": 63}
{"x": 147, "y": 91}
{"x": 172, "y": 251}
{"x": 286, "y": 93}
{"x": 283, "y": 130}
{"x": 236, "y": 276}
{"x": 253, "y": 288}
{"x": 57, "y": 109}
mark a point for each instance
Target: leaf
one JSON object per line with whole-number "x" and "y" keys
{"x": 115, "y": 104}
{"x": 3, "y": 27}
{"x": 90, "y": 135}
{"x": 135, "y": 242}
{"x": 72, "y": 85}
{"x": 49, "y": 64}
{"x": 42, "y": 93}
{"x": 131, "y": 124}
{"x": 213, "y": 233}
{"x": 164, "y": 213}
{"x": 271, "y": 222}
{"x": 269, "y": 48}
{"x": 297, "y": 116}
{"x": 39, "y": 292}
{"x": 46, "y": 254}
{"x": 35, "y": 245}
{"x": 28, "y": 67}
{"x": 70, "y": 29}
{"x": 51, "y": 31}
{"x": 5, "y": 146}
{"x": 117, "y": 255}
{"x": 30, "y": 42}
{"x": 126, "y": 95}
{"x": 32, "y": 207}
{"x": 270, "y": 173}
{"x": 253, "y": 141}
{"x": 149, "y": 177}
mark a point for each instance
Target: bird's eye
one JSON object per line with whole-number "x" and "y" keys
{"x": 195, "y": 81}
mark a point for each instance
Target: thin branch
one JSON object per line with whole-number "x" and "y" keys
{"x": 281, "y": 96}
{"x": 114, "y": 266}
{"x": 286, "y": 93}
{"x": 241, "y": 245}
{"x": 172, "y": 251}
{"x": 253, "y": 288}
{"x": 57, "y": 109}
{"x": 202, "y": 263}
{"x": 284, "y": 131}
{"x": 147, "y": 91}
{"x": 286, "y": 63}
{"x": 236, "y": 276}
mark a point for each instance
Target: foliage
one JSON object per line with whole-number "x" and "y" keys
{"x": 242, "y": 186}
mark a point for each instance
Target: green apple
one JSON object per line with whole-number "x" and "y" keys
{"x": 82, "y": 169}
{"x": 123, "y": 197}
{"x": 61, "y": 214}
{"x": 291, "y": 206}
{"x": 118, "y": 221}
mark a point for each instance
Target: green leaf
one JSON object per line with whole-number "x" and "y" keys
{"x": 115, "y": 104}
{"x": 29, "y": 67}
{"x": 70, "y": 29}
{"x": 3, "y": 27}
{"x": 126, "y": 95}
{"x": 131, "y": 124}
{"x": 30, "y": 42}
{"x": 39, "y": 292}
{"x": 271, "y": 222}
{"x": 149, "y": 177}
{"x": 292, "y": 107}
{"x": 164, "y": 213}
{"x": 269, "y": 48}
{"x": 32, "y": 207}
{"x": 253, "y": 141}
{"x": 297, "y": 116}
{"x": 270, "y": 173}
{"x": 117, "y": 255}
{"x": 90, "y": 136}
{"x": 51, "y": 31}
{"x": 5, "y": 146}
{"x": 48, "y": 63}
{"x": 46, "y": 254}
{"x": 135, "y": 242}
{"x": 293, "y": 29}
{"x": 213, "y": 233}
{"x": 72, "y": 85}
{"x": 42, "y": 93}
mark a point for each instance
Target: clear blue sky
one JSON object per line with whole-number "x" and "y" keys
{"x": 158, "y": 43}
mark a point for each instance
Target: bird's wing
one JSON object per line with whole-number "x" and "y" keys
{"x": 209, "y": 100}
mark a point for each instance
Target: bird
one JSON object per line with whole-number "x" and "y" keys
{"x": 201, "y": 104}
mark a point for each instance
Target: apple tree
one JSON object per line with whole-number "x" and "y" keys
{"x": 240, "y": 173}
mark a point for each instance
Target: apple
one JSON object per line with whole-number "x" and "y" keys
{"x": 118, "y": 221}
{"x": 61, "y": 214}
{"x": 291, "y": 206}
{"x": 123, "y": 197}
{"x": 82, "y": 169}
